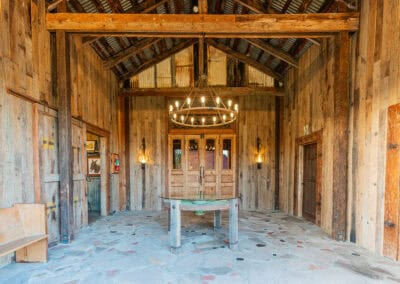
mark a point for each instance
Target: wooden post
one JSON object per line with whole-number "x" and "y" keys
{"x": 175, "y": 230}
{"x": 217, "y": 219}
{"x": 341, "y": 141}
{"x": 233, "y": 223}
{"x": 64, "y": 133}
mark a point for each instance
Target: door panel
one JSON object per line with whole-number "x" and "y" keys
{"x": 391, "y": 219}
{"x": 210, "y": 164}
{"x": 309, "y": 182}
{"x": 192, "y": 149}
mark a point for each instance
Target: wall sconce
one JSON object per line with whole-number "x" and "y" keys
{"x": 142, "y": 155}
{"x": 259, "y": 156}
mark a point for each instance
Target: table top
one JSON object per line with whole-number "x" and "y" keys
{"x": 198, "y": 197}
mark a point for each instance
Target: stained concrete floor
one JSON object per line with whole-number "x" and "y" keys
{"x": 132, "y": 247}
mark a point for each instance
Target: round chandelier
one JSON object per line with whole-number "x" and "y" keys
{"x": 202, "y": 107}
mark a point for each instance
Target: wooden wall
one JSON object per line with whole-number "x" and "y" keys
{"x": 28, "y": 114}
{"x": 377, "y": 86}
{"x": 256, "y": 119}
{"x": 307, "y": 108}
{"x": 148, "y": 120}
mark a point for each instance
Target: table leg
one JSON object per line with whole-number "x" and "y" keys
{"x": 217, "y": 219}
{"x": 233, "y": 223}
{"x": 175, "y": 229}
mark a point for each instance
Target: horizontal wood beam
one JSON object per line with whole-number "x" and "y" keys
{"x": 269, "y": 48}
{"x": 220, "y": 91}
{"x": 245, "y": 59}
{"x": 158, "y": 58}
{"x": 188, "y": 24}
{"x": 131, "y": 51}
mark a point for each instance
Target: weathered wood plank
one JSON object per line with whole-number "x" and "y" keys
{"x": 204, "y": 24}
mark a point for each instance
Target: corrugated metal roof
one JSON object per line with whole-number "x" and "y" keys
{"x": 110, "y": 46}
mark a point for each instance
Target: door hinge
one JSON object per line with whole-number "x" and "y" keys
{"x": 389, "y": 224}
{"x": 392, "y": 146}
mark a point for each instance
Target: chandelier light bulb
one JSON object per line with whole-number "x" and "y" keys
{"x": 224, "y": 117}
{"x": 214, "y": 119}
{"x": 217, "y": 100}
{"x": 236, "y": 107}
{"x": 188, "y": 101}
{"x": 182, "y": 118}
{"x": 192, "y": 119}
{"x": 229, "y": 103}
{"x": 171, "y": 108}
{"x": 177, "y": 104}
{"x": 203, "y": 100}
{"x": 174, "y": 116}
{"x": 203, "y": 120}
{"x": 232, "y": 114}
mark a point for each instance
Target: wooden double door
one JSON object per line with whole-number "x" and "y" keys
{"x": 201, "y": 164}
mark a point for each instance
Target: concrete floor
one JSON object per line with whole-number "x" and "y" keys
{"x": 132, "y": 247}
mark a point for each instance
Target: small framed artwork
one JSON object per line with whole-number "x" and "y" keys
{"x": 115, "y": 163}
{"x": 90, "y": 145}
{"x": 94, "y": 166}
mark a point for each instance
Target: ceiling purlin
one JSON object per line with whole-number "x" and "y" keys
{"x": 77, "y": 6}
{"x": 146, "y": 6}
{"x": 157, "y": 59}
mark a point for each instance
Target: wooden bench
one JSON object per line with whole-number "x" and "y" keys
{"x": 23, "y": 230}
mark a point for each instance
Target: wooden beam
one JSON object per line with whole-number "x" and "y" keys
{"x": 245, "y": 59}
{"x": 269, "y": 48}
{"x": 65, "y": 155}
{"x": 203, "y": 7}
{"x": 53, "y": 5}
{"x": 220, "y": 91}
{"x": 147, "y": 7}
{"x": 160, "y": 57}
{"x": 341, "y": 129}
{"x": 131, "y": 51}
{"x": 227, "y": 25}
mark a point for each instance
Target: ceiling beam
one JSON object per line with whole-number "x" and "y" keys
{"x": 245, "y": 59}
{"x": 181, "y": 24}
{"x": 269, "y": 48}
{"x": 220, "y": 91}
{"x": 158, "y": 58}
{"x": 131, "y": 51}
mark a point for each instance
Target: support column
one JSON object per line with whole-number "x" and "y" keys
{"x": 341, "y": 130}
{"x": 233, "y": 223}
{"x": 175, "y": 227}
{"x": 63, "y": 91}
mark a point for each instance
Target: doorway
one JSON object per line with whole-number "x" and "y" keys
{"x": 308, "y": 171}
{"x": 309, "y": 182}
{"x": 391, "y": 241}
{"x": 201, "y": 165}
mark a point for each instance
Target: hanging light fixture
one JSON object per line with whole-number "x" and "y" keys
{"x": 202, "y": 107}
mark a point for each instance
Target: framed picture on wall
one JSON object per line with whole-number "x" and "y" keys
{"x": 90, "y": 145}
{"x": 94, "y": 166}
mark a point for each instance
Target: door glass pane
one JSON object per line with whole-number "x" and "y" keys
{"x": 193, "y": 155}
{"x": 177, "y": 154}
{"x": 226, "y": 154}
{"x": 210, "y": 154}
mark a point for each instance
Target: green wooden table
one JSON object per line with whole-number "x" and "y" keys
{"x": 206, "y": 203}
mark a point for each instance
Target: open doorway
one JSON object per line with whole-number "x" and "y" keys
{"x": 98, "y": 187}
{"x": 308, "y": 170}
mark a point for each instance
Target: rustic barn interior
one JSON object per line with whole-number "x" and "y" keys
{"x": 88, "y": 91}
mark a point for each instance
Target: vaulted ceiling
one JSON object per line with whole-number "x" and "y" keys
{"x": 127, "y": 56}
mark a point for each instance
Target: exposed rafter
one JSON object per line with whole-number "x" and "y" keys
{"x": 131, "y": 51}
{"x": 244, "y": 59}
{"x": 274, "y": 51}
{"x": 228, "y": 25}
{"x": 157, "y": 59}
